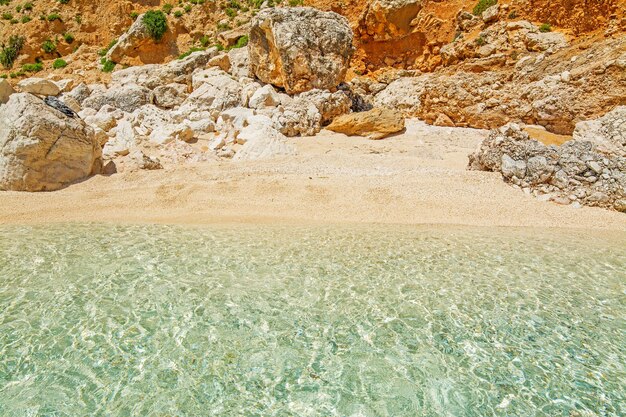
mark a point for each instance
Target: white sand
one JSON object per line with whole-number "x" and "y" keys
{"x": 419, "y": 177}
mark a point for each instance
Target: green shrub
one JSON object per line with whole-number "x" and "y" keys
{"x": 513, "y": 15}
{"x": 241, "y": 42}
{"x": 108, "y": 66}
{"x": 10, "y": 52}
{"x": 545, "y": 27}
{"x": 4, "y": 2}
{"x": 178, "y": 13}
{"x": 482, "y": 6}
{"x": 49, "y": 46}
{"x": 59, "y": 63}
{"x": 26, "y": 19}
{"x": 36, "y": 67}
{"x": 18, "y": 8}
{"x": 134, "y": 15}
{"x": 54, "y": 16}
{"x": 69, "y": 38}
{"x": 63, "y": 1}
{"x": 187, "y": 8}
{"x": 27, "y": 6}
{"x": 7, "y": 16}
{"x": 205, "y": 41}
{"x": 14, "y": 21}
{"x": 480, "y": 41}
{"x": 167, "y": 8}
{"x": 78, "y": 19}
{"x": 156, "y": 23}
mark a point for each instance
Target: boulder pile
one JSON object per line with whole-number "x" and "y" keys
{"x": 576, "y": 172}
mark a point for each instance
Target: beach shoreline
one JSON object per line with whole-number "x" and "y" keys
{"x": 416, "y": 178}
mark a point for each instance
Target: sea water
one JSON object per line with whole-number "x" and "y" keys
{"x": 101, "y": 320}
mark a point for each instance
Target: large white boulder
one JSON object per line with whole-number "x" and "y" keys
{"x": 41, "y": 149}
{"x": 300, "y": 48}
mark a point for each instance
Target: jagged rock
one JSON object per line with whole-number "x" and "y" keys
{"x": 5, "y": 91}
{"x": 155, "y": 75}
{"x": 300, "y": 48}
{"x": 376, "y": 124}
{"x": 389, "y": 19}
{"x": 550, "y": 41}
{"x": 265, "y": 96}
{"x": 214, "y": 92}
{"x": 575, "y": 172}
{"x": 222, "y": 61}
{"x": 262, "y": 142}
{"x": 41, "y": 149}
{"x": 65, "y": 85}
{"x": 39, "y": 86}
{"x": 329, "y": 105}
{"x": 491, "y": 14}
{"x": 105, "y": 119}
{"x": 239, "y": 62}
{"x": 170, "y": 95}
{"x": 402, "y": 94}
{"x": 170, "y": 133}
{"x": 229, "y": 38}
{"x": 79, "y": 93}
{"x": 127, "y": 98}
{"x": 608, "y": 133}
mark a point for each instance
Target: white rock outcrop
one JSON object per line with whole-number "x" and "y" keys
{"x": 41, "y": 149}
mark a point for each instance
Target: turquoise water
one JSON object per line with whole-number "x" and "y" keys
{"x": 277, "y": 321}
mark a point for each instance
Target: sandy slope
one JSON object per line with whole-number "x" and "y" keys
{"x": 415, "y": 178}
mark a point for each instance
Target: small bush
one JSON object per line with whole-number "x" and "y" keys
{"x": 49, "y": 46}
{"x": 26, "y": 19}
{"x": 134, "y": 15}
{"x": 205, "y": 41}
{"x": 59, "y": 63}
{"x": 156, "y": 23}
{"x": 513, "y": 15}
{"x": 36, "y": 67}
{"x": 104, "y": 51}
{"x": 480, "y": 41}
{"x": 69, "y": 38}
{"x": 178, "y": 13}
{"x": 27, "y": 6}
{"x": 7, "y": 16}
{"x": 241, "y": 42}
{"x": 108, "y": 66}
{"x": 545, "y": 27}
{"x": 4, "y": 2}
{"x": 63, "y": 1}
{"x": 54, "y": 16}
{"x": 482, "y": 6}
{"x": 10, "y": 52}
{"x": 167, "y": 8}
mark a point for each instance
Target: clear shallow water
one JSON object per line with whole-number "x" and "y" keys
{"x": 270, "y": 321}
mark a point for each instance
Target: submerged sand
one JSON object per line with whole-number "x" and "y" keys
{"x": 418, "y": 177}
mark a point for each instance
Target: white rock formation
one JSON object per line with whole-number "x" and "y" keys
{"x": 41, "y": 149}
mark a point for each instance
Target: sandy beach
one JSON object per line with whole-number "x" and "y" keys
{"x": 418, "y": 177}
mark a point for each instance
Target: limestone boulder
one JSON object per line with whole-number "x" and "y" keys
{"x": 154, "y": 75}
{"x": 607, "y": 133}
{"x": 5, "y": 91}
{"x": 127, "y": 98}
{"x": 262, "y": 142}
{"x": 300, "y": 48}
{"x": 377, "y": 123}
{"x": 39, "y": 86}
{"x": 42, "y": 149}
{"x": 170, "y": 95}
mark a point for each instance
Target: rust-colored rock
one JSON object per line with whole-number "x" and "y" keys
{"x": 377, "y": 123}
